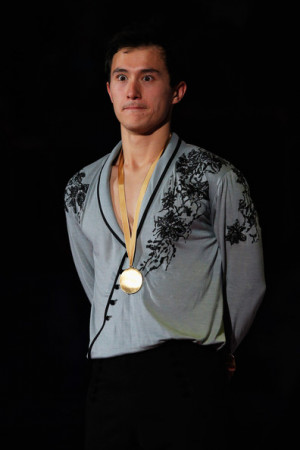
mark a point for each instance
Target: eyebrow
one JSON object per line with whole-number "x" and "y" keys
{"x": 149, "y": 70}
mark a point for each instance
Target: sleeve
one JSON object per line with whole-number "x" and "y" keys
{"x": 81, "y": 247}
{"x": 238, "y": 233}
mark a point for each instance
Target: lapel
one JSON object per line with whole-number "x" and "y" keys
{"x": 103, "y": 187}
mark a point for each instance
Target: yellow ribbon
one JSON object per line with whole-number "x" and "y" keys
{"x": 130, "y": 240}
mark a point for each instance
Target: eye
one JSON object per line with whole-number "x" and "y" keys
{"x": 148, "y": 78}
{"x": 121, "y": 77}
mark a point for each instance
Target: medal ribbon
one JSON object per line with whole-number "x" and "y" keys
{"x": 130, "y": 240}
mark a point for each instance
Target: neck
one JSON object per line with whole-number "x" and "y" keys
{"x": 141, "y": 150}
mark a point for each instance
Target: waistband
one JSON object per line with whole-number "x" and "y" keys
{"x": 184, "y": 347}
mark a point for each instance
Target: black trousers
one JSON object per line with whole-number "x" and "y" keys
{"x": 170, "y": 397}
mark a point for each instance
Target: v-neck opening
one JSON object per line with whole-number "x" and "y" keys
{"x": 105, "y": 201}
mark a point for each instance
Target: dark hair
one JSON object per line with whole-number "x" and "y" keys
{"x": 147, "y": 35}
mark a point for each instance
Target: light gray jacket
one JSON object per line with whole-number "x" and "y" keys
{"x": 198, "y": 245}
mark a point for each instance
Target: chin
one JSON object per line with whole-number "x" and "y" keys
{"x": 144, "y": 129}
{"x": 139, "y": 129}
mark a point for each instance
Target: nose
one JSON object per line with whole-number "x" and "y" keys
{"x": 133, "y": 90}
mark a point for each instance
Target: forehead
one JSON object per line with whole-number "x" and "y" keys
{"x": 139, "y": 58}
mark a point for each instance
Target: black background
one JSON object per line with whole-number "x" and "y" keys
{"x": 241, "y": 103}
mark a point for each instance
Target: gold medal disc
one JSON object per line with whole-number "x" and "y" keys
{"x": 131, "y": 280}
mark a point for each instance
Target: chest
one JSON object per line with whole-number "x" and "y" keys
{"x": 133, "y": 181}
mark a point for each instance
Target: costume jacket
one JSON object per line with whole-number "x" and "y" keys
{"x": 198, "y": 247}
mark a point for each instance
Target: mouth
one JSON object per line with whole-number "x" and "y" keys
{"x": 133, "y": 107}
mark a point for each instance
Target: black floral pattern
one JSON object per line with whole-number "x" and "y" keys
{"x": 239, "y": 230}
{"x": 75, "y": 194}
{"x": 235, "y": 233}
{"x": 183, "y": 203}
{"x": 186, "y": 200}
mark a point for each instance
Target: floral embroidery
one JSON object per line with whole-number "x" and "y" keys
{"x": 184, "y": 202}
{"x": 235, "y": 233}
{"x": 238, "y": 231}
{"x": 75, "y": 194}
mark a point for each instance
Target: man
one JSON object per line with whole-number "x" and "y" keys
{"x": 167, "y": 245}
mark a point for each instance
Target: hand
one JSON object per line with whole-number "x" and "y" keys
{"x": 230, "y": 365}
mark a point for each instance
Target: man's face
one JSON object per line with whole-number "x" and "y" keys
{"x": 140, "y": 90}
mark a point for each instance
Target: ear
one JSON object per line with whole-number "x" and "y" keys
{"x": 109, "y": 91}
{"x": 179, "y": 92}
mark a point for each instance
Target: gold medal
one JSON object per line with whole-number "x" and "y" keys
{"x": 131, "y": 280}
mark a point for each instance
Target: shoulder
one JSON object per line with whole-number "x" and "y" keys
{"x": 77, "y": 187}
{"x": 196, "y": 165}
{"x": 193, "y": 159}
